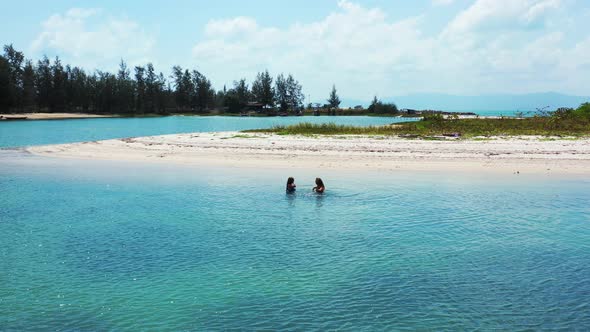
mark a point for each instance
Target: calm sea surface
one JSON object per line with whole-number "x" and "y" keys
{"x": 26, "y": 133}
{"x": 87, "y": 245}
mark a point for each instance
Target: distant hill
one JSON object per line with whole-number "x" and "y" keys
{"x": 522, "y": 102}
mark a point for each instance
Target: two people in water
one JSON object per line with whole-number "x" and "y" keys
{"x": 319, "y": 185}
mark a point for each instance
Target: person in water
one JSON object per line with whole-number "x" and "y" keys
{"x": 319, "y": 186}
{"x": 291, "y": 185}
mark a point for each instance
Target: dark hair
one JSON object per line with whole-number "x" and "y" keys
{"x": 290, "y": 180}
{"x": 319, "y": 182}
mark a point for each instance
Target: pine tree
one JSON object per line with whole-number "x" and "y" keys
{"x": 58, "y": 91}
{"x": 5, "y": 87}
{"x": 15, "y": 64}
{"x": 124, "y": 89}
{"x": 140, "y": 89}
{"x": 44, "y": 82}
{"x": 334, "y": 100}
{"x": 29, "y": 91}
{"x": 262, "y": 89}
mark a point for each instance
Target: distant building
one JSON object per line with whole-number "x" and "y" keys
{"x": 409, "y": 111}
{"x": 254, "y": 106}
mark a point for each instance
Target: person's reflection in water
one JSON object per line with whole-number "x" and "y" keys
{"x": 291, "y": 200}
{"x": 319, "y": 201}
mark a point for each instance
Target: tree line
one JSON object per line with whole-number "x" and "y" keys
{"x": 51, "y": 86}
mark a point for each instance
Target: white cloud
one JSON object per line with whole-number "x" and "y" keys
{"x": 86, "y": 35}
{"x": 238, "y": 25}
{"x": 492, "y": 46}
{"x": 344, "y": 44}
{"x": 442, "y": 2}
{"x": 501, "y": 15}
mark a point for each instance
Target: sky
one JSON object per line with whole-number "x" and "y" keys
{"x": 365, "y": 48}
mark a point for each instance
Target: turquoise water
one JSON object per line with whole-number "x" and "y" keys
{"x": 122, "y": 246}
{"x": 26, "y": 133}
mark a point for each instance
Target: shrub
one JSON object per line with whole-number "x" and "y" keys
{"x": 583, "y": 110}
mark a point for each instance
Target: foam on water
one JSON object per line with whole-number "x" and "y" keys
{"x": 106, "y": 246}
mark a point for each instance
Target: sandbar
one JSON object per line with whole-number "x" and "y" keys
{"x": 516, "y": 155}
{"x": 57, "y": 116}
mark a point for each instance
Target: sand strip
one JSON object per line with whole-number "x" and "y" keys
{"x": 233, "y": 149}
{"x": 56, "y": 116}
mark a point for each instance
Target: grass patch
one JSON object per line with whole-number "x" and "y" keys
{"x": 570, "y": 125}
{"x": 307, "y": 129}
{"x": 244, "y": 136}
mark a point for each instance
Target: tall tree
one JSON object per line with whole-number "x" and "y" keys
{"x": 151, "y": 88}
{"x": 15, "y": 64}
{"x": 106, "y": 92}
{"x": 79, "y": 90}
{"x": 262, "y": 89}
{"x": 220, "y": 98}
{"x": 242, "y": 91}
{"x": 58, "y": 91}
{"x": 288, "y": 93}
{"x": 165, "y": 99}
{"x": 140, "y": 89}
{"x": 93, "y": 93}
{"x": 124, "y": 89}
{"x": 183, "y": 88}
{"x": 282, "y": 92}
{"x": 29, "y": 91}
{"x": 162, "y": 94}
{"x": 237, "y": 97}
{"x": 295, "y": 93}
{"x": 203, "y": 92}
{"x": 44, "y": 82}
{"x": 5, "y": 88}
{"x": 334, "y": 100}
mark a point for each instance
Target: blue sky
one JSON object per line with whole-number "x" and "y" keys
{"x": 365, "y": 48}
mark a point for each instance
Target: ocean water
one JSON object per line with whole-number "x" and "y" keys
{"x": 124, "y": 246}
{"x": 26, "y": 133}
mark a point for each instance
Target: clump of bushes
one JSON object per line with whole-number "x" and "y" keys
{"x": 583, "y": 110}
{"x": 379, "y": 107}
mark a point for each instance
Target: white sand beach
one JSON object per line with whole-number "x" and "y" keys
{"x": 234, "y": 149}
{"x": 56, "y": 116}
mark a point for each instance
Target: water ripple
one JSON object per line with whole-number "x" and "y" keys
{"x": 200, "y": 254}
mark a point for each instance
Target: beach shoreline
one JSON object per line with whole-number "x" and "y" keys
{"x": 539, "y": 155}
{"x": 57, "y": 116}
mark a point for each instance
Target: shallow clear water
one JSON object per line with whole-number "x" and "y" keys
{"x": 114, "y": 246}
{"x": 26, "y": 133}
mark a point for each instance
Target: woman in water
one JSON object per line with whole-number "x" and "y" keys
{"x": 291, "y": 185}
{"x": 319, "y": 186}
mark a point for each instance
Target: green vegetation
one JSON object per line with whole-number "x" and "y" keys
{"x": 334, "y": 100}
{"x": 563, "y": 122}
{"x": 51, "y": 86}
{"x": 244, "y": 136}
{"x": 307, "y": 128}
{"x": 379, "y": 107}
